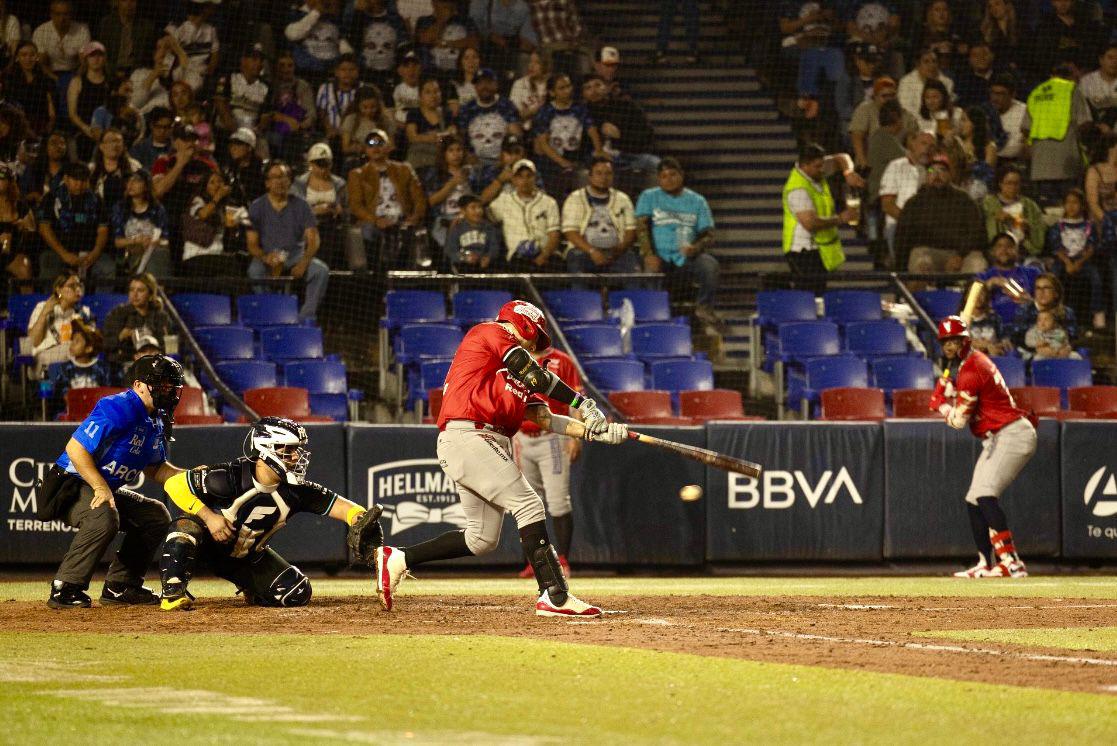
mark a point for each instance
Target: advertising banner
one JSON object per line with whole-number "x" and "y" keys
{"x": 820, "y": 496}
{"x": 1089, "y": 482}
{"x": 928, "y": 471}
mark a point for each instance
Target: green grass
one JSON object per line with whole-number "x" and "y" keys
{"x": 1092, "y": 587}
{"x": 1067, "y": 638}
{"x": 435, "y": 687}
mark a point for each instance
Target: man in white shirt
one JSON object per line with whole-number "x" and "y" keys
{"x": 599, "y": 223}
{"x": 902, "y": 179}
{"x": 910, "y": 93}
{"x": 1099, "y": 88}
{"x": 60, "y": 40}
{"x": 529, "y": 221}
{"x": 1002, "y": 97}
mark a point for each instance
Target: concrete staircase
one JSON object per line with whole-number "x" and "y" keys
{"x": 716, "y": 118}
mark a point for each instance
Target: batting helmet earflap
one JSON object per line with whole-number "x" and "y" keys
{"x": 529, "y": 321}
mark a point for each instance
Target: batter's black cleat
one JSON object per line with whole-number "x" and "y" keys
{"x": 122, "y": 594}
{"x": 68, "y": 596}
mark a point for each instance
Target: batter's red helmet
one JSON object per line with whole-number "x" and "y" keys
{"x": 529, "y": 321}
{"x": 954, "y": 326}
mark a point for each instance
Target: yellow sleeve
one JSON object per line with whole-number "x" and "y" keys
{"x": 178, "y": 489}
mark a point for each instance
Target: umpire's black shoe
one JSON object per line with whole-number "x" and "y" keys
{"x": 68, "y": 596}
{"x": 122, "y": 594}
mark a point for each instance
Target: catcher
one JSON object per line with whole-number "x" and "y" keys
{"x": 233, "y": 509}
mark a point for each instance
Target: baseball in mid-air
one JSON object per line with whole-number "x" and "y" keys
{"x": 690, "y": 493}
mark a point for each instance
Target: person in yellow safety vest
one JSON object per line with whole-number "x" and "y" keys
{"x": 1056, "y": 111}
{"x": 810, "y": 221}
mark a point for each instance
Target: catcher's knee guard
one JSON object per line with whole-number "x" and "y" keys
{"x": 290, "y": 588}
{"x": 180, "y": 552}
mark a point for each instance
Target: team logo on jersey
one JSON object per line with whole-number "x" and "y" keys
{"x": 415, "y": 493}
{"x": 1105, "y": 504}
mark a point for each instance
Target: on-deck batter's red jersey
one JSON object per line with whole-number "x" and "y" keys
{"x": 979, "y": 379}
{"x": 559, "y": 363}
{"x": 478, "y": 386}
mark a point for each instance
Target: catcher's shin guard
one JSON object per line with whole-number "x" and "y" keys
{"x": 180, "y": 552}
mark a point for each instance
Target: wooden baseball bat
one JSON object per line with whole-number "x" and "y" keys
{"x": 713, "y": 458}
{"x": 971, "y": 301}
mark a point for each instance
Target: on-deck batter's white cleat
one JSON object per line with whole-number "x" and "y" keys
{"x": 1008, "y": 569}
{"x": 391, "y": 568}
{"x": 574, "y": 607}
{"x": 980, "y": 570}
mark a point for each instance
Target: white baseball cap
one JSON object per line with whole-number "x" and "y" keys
{"x": 319, "y": 151}
{"x": 244, "y": 136}
{"x": 523, "y": 163}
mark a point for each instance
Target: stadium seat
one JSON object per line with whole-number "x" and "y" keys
{"x": 282, "y": 401}
{"x": 853, "y": 404}
{"x": 616, "y": 375}
{"x": 432, "y": 374}
{"x": 781, "y": 306}
{"x": 474, "y": 306}
{"x": 716, "y": 404}
{"x": 80, "y": 402}
{"x": 683, "y": 375}
{"x": 839, "y": 371}
{"x": 648, "y": 305}
{"x": 226, "y": 342}
{"x": 101, "y": 303}
{"x": 1043, "y": 400}
{"x": 574, "y": 305}
{"x": 803, "y": 340}
{"x": 912, "y": 403}
{"x": 651, "y": 341}
{"x": 283, "y": 343}
{"x": 241, "y": 375}
{"x": 204, "y": 309}
{"x": 417, "y": 341}
{"x": 434, "y": 402}
{"x": 19, "y": 310}
{"x": 412, "y": 306}
{"x": 873, "y": 339}
{"x": 642, "y": 403}
{"x": 1096, "y": 402}
{"x": 317, "y": 376}
{"x": 595, "y": 340}
{"x": 844, "y": 306}
{"x": 891, "y": 373}
{"x": 198, "y": 419}
{"x": 334, "y": 406}
{"x": 939, "y": 303}
{"x": 267, "y": 309}
{"x": 192, "y": 402}
{"x": 1063, "y": 373}
{"x": 1011, "y": 368}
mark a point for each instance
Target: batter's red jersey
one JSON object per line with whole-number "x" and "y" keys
{"x": 559, "y": 363}
{"x": 980, "y": 384}
{"x": 478, "y": 386}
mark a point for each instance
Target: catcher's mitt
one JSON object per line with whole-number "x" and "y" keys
{"x": 365, "y": 536}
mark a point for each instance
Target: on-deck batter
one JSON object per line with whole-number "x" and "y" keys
{"x": 981, "y": 399}
{"x": 494, "y": 384}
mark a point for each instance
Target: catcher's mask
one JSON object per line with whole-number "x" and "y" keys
{"x": 282, "y": 444}
{"x": 165, "y": 378}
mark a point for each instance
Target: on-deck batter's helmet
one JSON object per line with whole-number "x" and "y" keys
{"x": 529, "y": 321}
{"x": 954, "y": 326}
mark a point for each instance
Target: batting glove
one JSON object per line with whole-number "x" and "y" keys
{"x": 614, "y": 434}
{"x": 592, "y": 417}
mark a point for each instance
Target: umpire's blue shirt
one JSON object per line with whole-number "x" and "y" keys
{"x": 122, "y": 437}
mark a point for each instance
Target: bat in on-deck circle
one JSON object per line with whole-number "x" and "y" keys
{"x": 713, "y": 458}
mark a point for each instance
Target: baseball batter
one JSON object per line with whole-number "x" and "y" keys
{"x": 545, "y": 458}
{"x": 493, "y": 385}
{"x": 981, "y": 399}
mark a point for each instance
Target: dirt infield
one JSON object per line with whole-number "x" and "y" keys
{"x": 874, "y": 634}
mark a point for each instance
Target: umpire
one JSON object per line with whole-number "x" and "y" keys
{"x": 124, "y": 435}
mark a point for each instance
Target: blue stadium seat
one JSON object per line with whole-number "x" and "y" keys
{"x": 616, "y": 375}
{"x": 432, "y": 374}
{"x": 226, "y": 342}
{"x": 267, "y": 309}
{"x": 779, "y": 306}
{"x": 839, "y": 371}
{"x": 241, "y": 375}
{"x": 474, "y": 306}
{"x": 649, "y": 305}
{"x": 650, "y": 341}
{"x": 574, "y": 305}
{"x": 844, "y": 306}
{"x": 1012, "y": 370}
{"x": 1062, "y": 373}
{"x": 19, "y": 310}
{"x": 317, "y": 376}
{"x": 939, "y": 303}
{"x": 802, "y": 340}
{"x": 283, "y": 343}
{"x": 875, "y": 339}
{"x": 412, "y": 306}
{"x": 595, "y": 340}
{"x": 101, "y": 303}
{"x": 903, "y": 373}
{"x": 683, "y": 375}
{"x": 330, "y": 405}
{"x": 418, "y": 341}
{"x": 204, "y": 309}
